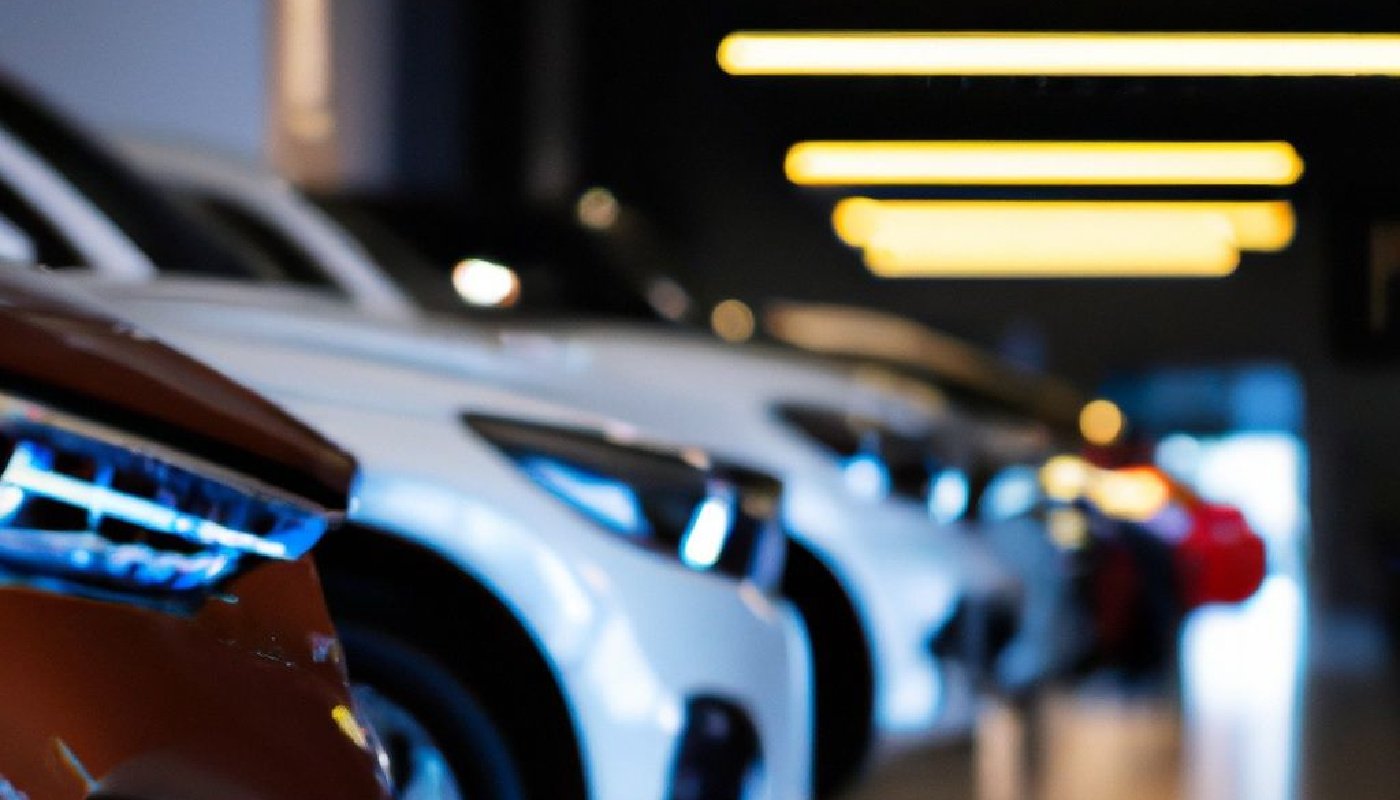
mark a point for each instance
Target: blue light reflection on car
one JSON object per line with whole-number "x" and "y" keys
{"x": 617, "y": 506}
{"x": 35, "y": 542}
{"x": 25, "y": 474}
{"x": 610, "y": 502}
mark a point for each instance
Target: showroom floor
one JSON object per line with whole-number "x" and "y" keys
{"x": 1247, "y": 737}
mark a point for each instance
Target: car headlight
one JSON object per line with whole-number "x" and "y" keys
{"x": 84, "y": 506}
{"x": 878, "y": 461}
{"x": 712, "y": 517}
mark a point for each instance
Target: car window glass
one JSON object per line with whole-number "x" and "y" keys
{"x": 168, "y": 237}
{"x": 23, "y": 229}
{"x": 15, "y": 246}
{"x": 428, "y": 286}
{"x": 271, "y": 256}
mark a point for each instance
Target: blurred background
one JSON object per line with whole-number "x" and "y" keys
{"x": 603, "y": 154}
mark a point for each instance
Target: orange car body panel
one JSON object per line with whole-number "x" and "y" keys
{"x": 244, "y": 699}
{"x": 245, "y": 695}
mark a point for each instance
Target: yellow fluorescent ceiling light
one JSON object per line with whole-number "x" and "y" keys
{"x": 1063, "y": 163}
{"x": 1072, "y": 54}
{"x": 1030, "y": 240}
{"x": 1266, "y": 226}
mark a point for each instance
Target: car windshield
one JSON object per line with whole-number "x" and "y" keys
{"x": 270, "y": 256}
{"x": 552, "y": 289}
{"x": 167, "y": 235}
{"x": 426, "y": 284}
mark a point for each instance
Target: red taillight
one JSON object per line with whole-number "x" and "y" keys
{"x": 1221, "y": 560}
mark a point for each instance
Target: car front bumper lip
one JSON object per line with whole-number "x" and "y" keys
{"x": 130, "y": 701}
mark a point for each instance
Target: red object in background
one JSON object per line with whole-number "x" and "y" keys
{"x": 1221, "y": 560}
{"x": 1118, "y": 582}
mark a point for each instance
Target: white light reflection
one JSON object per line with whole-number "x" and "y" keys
{"x": 912, "y": 702}
{"x": 1180, "y": 456}
{"x": 619, "y": 671}
{"x": 1242, "y": 665}
{"x": 669, "y": 717}
{"x": 704, "y": 539}
{"x": 418, "y": 506}
{"x": 572, "y": 599}
{"x": 25, "y": 473}
{"x": 866, "y": 476}
{"x": 1261, "y": 473}
{"x": 915, "y": 679}
{"x": 485, "y": 283}
{"x": 948, "y": 496}
{"x": 560, "y": 603}
{"x": 17, "y": 247}
{"x": 1242, "y": 670}
{"x": 10, "y": 499}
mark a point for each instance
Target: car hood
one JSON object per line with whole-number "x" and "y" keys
{"x": 65, "y": 351}
{"x": 564, "y": 362}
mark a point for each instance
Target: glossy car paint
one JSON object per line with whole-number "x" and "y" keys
{"x": 243, "y": 696}
{"x": 246, "y": 698}
{"x": 58, "y": 351}
{"x": 903, "y": 574}
{"x": 629, "y": 636}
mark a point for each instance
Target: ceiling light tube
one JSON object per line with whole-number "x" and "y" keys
{"x": 1009, "y": 242}
{"x": 1061, "y": 54}
{"x": 1265, "y": 226}
{"x": 853, "y": 163}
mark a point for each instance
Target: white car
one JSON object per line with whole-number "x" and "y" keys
{"x": 877, "y": 580}
{"x": 538, "y": 603}
{"x": 1017, "y": 421}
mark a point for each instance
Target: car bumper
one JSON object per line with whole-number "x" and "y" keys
{"x": 665, "y": 693}
{"x": 1054, "y": 632}
{"x": 108, "y": 698}
{"x": 637, "y": 642}
{"x": 906, "y": 578}
{"x": 634, "y": 640}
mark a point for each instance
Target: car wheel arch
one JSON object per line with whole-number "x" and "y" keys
{"x": 843, "y": 651}
{"x": 355, "y": 564}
